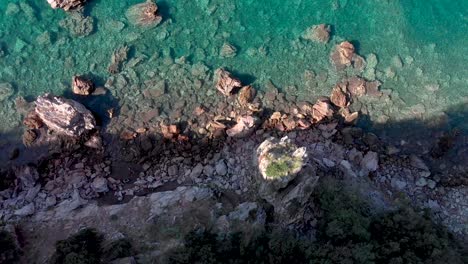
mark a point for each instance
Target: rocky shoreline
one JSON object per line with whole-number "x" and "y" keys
{"x": 233, "y": 152}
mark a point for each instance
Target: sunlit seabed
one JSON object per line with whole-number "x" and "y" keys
{"x": 428, "y": 37}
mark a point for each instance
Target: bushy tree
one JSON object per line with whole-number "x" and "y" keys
{"x": 9, "y": 251}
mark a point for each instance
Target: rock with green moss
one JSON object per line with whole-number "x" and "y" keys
{"x": 280, "y": 160}
{"x": 286, "y": 180}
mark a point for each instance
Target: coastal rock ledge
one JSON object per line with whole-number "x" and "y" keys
{"x": 64, "y": 116}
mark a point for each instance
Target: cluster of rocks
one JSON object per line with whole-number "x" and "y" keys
{"x": 67, "y": 182}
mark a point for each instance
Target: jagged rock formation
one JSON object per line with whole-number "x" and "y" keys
{"x": 144, "y": 14}
{"x": 66, "y": 4}
{"x": 226, "y": 83}
{"x": 82, "y": 86}
{"x": 64, "y": 116}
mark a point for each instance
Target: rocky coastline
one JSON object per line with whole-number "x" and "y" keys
{"x": 236, "y": 153}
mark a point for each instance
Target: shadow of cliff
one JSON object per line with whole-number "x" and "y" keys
{"x": 439, "y": 139}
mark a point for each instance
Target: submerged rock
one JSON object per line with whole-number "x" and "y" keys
{"x": 225, "y": 82}
{"x": 6, "y": 90}
{"x": 82, "y": 86}
{"x": 78, "y": 24}
{"x": 66, "y": 4}
{"x": 64, "y": 116}
{"x": 356, "y": 86}
{"x": 318, "y": 33}
{"x": 144, "y": 14}
{"x": 228, "y": 51}
{"x": 119, "y": 56}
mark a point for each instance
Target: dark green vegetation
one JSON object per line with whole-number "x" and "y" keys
{"x": 347, "y": 233}
{"x": 9, "y": 251}
{"x": 86, "y": 247}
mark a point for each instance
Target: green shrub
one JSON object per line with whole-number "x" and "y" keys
{"x": 9, "y": 251}
{"x": 85, "y": 247}
{"x": 347, "y": 233}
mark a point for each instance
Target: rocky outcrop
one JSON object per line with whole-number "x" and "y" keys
{"x": 246, "y": 95}
{"x": 343, "y": 55}
{"x": 340, "y": 96}
{"x": 82, "y": 86}
{"x": 144, "y": 14}
{"x": 66, "y": 4}
{"x": 280, "y": 160}
{"x": 322, "y": 109}
{"x": 318, "y": 33}
{"x": 226, "y": 83}
{"x": 286, "y": 180}
{"x": 64, "y": 116}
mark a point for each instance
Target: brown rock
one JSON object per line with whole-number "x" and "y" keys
{"x": 66, "y": 4}
{"x": 318, "y": 33}
{"x": 357, "y": 86}
{"x": 343, "y": 55}
{"x": 32, "y": 121}
{"x": 372, "y": 88}
{"x": 322, "y": 109}
{"x": 349, "y": 118}
{"x": 225, "y": 82}
{"x": 244, "y": 127}
{"x": 144, "y": 14}
{"x": 246, "y": 95}
{"x": 340, "y": 96}
{"x": 128, "y": 135}
{"x": 82, "y": 86}
{"x": 29, "y": 137}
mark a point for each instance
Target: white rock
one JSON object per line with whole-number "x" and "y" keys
{"x": 100, "y": 185}
{"x": 370, "y": 161}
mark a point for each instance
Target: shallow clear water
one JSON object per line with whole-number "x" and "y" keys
{"x": 429, "y": 37}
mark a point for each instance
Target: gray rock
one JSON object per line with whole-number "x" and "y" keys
{"x": 28, "y": 176}
{"x": 398, "y": 184}
{"x": 421, "y": 182}
{"x": 26, "y": 210}
{"x": 50, "y": 201}
{"x": 32, "y": 193}
{"x": 100, "y": 185}
{"x": 418, "y": 163}
{"x": 196, "y": 171}
{"x": 127, "y": 260}
{"x": 221, "y": 168}
{"x": 431, "y": 184}
{"x": 243, "y": 211}
{"x": 370, "y": 162}
{"x": 208, "y": 170}
{"x": 173, "y": 170}
{"x": 64, "y": 116}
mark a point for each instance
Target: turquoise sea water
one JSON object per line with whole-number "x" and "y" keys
{"x": 421, "y": 48}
